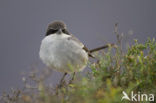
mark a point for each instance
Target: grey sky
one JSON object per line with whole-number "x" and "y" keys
{"x": 23, "y": 24}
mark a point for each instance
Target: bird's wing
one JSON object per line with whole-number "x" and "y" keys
{"x": 72, "y": 37}
{"x": 82, "y": 45}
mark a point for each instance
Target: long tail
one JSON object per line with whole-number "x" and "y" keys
{"x": 100, "y": 48}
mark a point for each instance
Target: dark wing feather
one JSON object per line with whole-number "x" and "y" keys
{"x": 83, "y": 46}
{"x": 89, "y": 54}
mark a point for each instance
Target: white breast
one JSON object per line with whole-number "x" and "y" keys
{"x": 63, "y": 54}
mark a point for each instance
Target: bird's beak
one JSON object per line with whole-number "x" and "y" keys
{"x": 59, "y": 31}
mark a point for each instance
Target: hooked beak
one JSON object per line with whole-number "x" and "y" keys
{"x": 59, "y": 31}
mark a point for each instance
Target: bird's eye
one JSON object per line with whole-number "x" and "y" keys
{"x": 65, "y": 31}
{"x": 51, "y": 31}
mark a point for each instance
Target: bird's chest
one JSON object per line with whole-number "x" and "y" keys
{"x": 59, "y": 51}
{"x": 61, "y": 44}
{"x": 60, "y": 47}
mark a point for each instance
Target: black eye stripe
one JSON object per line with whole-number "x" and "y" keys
{"x": 51, "y": 31}
{"x": 65, "y": 31}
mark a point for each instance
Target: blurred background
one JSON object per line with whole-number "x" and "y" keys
{"x": 23, "y": 25}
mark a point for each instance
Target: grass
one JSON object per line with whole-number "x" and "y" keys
{"x": 116, "y": 71}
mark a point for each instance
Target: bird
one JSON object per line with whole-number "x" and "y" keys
{"x": 62, "y": 51}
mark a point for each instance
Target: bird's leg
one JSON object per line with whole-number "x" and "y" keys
{"x": 73, "y": 77}
{"x": 62, "y": 80}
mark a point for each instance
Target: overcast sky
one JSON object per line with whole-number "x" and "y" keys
{"x": 23, "y": 24}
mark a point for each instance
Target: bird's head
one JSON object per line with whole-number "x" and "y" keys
{"x": 57, "y": 27}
